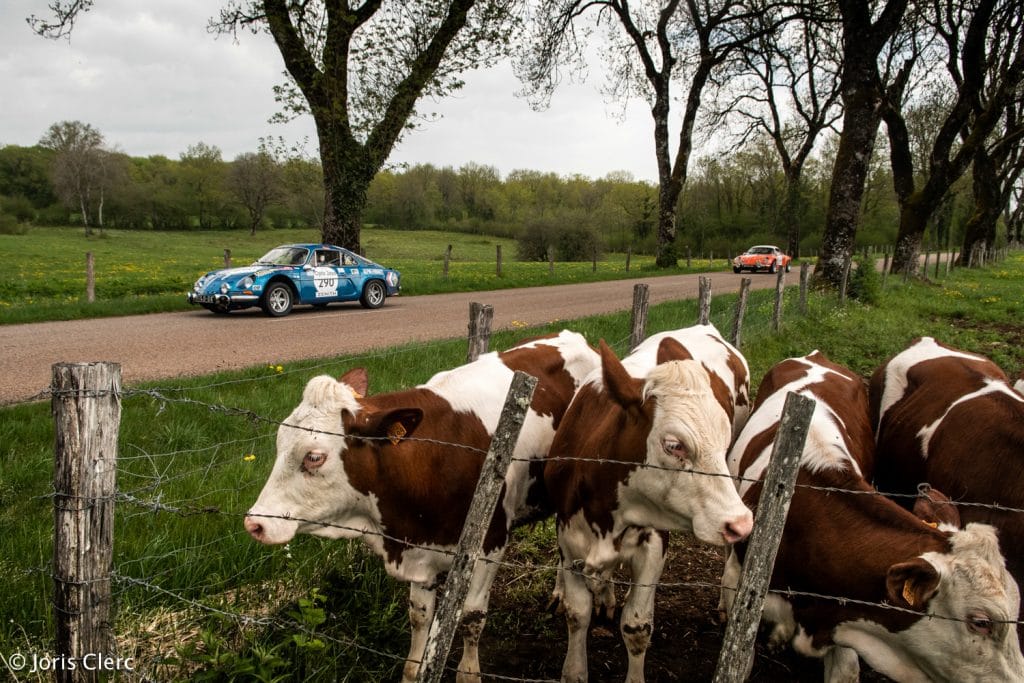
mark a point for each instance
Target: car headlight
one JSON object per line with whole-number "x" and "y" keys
{"x": 246, "y": 282}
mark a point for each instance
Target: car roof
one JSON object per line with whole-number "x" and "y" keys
{"x": 764, "y": 246}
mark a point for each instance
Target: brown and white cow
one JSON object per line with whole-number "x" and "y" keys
{"x": 951, "y": 418}
{"x": 641, "y": 451}
{"x": 381, "y": 468}
{"x": 957, "y": 604}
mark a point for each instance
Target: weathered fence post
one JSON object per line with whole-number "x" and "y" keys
{"x": 498, "y": 258}
{"x": 736, "y": 657}
{"x": 780, "y": 284}
{"x": 227, "y": 258}
{"x": 478, "y": 519}
{"x": 594, "y": 260}
{"x": 480, "y": 317}
{"x": 741, "y": 310}
{"x": 638, "y": 319}
{"x": 90, "y": 277}
{"x": 845, "y": 280}
{"x": 688, "y": 263}
{"x": 629, "y": 255}
{"x": 885, "y": 268}
{"x": 447, "y": 260}
{"x": 703, "y": 300}
{"x": 805, "y": 277}
{"x": 86, "y": 405}
{"x": 927, "y": 262}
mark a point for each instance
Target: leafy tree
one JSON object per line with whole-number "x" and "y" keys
{"x": 255, "y": 180}
{"x": 80, "y": 167}
{"x": 652, "y": 44}
{"x": 980, "y": 44}
{"x": 203, "y": 172}
{"x": 25, "y": 172}
{"x": 360, "y": 68}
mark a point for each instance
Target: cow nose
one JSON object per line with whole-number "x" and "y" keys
{"x": 738, "y": 529}
{"x": 254, "y": 528}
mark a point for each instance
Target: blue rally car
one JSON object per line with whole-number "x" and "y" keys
{"x": 316, "y": 274}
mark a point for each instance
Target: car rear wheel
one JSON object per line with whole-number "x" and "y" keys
{"x": 277, "y": 300}
{"x": 736, "y": 270}
{"x": 788, "y": 267}
{"x": 373, "y": 294}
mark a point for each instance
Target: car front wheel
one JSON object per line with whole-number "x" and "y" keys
{"x": 771, "y": 268}
{"x": 373, "y": 294}
{"x": 277, "y": 300}
{"x": 736, "y": 269}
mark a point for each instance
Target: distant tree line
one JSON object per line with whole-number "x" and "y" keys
{"x": 731, "y": 200}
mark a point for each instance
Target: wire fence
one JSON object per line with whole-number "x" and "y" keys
{"x": 201, "y": 483}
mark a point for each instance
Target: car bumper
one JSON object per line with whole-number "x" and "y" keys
{"x": 222, "y": 299}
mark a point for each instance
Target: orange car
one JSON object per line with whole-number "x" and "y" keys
{"x": 762, "y": 257}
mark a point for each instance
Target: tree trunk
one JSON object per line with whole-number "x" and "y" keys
{"x": 980, "y": 228}
{"x": 861, "y": 120}
{"x": 668, "y": 196}
{"x": 348, "y": 172}
{"x": 792, "y": 209}
{"x": 914, "y": 216}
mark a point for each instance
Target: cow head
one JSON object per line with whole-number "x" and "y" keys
{"x": 308, "y": 490}
{"x": 974, "y": 600}
{"x": 685, "y": 484}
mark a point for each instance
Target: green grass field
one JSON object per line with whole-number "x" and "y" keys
{"x": 188, "y": 577}
{"x": 148, "y": 272}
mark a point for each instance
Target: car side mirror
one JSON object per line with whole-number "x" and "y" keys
{"x": 307, "y": 267}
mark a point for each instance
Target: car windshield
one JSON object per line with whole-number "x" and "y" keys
{"x": 759, "y": 250}
{"x": 284, "y": 256}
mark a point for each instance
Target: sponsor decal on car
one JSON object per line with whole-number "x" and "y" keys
{"x": 326, "y": 281}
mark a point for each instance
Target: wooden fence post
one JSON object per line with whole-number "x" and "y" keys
{"x": 90, "y": 277}
{"x": 485, "y": 499}
{"x": 480, "y": 317}
{"x": 447, "y": 260}
{"x": 638, "y": 319}
{"x": 688, "y": 263}
{"x": 498, "y": 255}
{"x": 551, "y": 260}
{"x": 736, "y": 657}
{"x": 805, "y": 278}
{"x": 227, "y": 258}
{"x": 885, "y": 268}
{"x": 703, "y": 300}
{"x": 629, "y": 255}
{"x": 86, "y": 405}
{"x": 927, "y": 260}
{"x": 741, "y": 310}
{"x": 594, "y": 260}
{"x": 780, "y": 283}
{"x": 845, "y": 280}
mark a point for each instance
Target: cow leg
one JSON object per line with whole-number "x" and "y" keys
{"x": 841, "y": 665}
{"x": 421, "y": 613}
{"x": 637, "y": 623}
{"x": 474, "y": 618}
{"x": 730, "y": 580}
{"x": 578, "y": 606}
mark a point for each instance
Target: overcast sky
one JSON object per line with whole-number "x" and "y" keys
{"x": 153, "y": 81}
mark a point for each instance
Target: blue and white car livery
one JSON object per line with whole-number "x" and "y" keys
{"x": 290, "y": 274}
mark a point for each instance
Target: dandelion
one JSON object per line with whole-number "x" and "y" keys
{"x": 278, "y": 369}
{"x": 249, "y": 457}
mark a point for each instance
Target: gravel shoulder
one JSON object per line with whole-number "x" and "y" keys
{"x": 165, "y": 345}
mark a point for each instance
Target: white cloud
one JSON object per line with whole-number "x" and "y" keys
{"x": 153, "y": 80}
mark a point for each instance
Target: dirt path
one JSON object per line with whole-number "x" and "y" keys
{"x": 163, "y": 345}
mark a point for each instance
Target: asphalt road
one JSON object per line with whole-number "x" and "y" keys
{"x": 163, "y": 345}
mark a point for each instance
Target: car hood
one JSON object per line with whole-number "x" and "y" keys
{"x": 238, "y": 273}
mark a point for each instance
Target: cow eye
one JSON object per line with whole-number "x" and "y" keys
{"x": 313, "y": 460}
{"x": 979, "y": 623}
{"x": 675, "y": 448}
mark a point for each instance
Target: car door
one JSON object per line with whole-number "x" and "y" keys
{"x": 325, "y": 280}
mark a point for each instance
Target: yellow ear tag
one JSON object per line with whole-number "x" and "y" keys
{"x": 395, "y": 432}
{"x": 934, "y": 525}
{"x": 908, "y": 592}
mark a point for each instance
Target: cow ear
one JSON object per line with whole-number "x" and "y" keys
{"x": 623, "y": 388}
{"x": 934, "y": 507}
{"x": 671, "y": 349}
{"x": 358, "y": 380}
{"x": 393, "y": 425}
{"x": 912, "y": 584}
